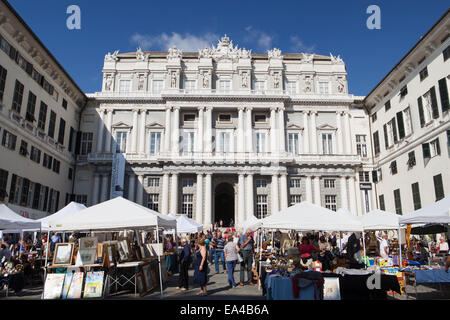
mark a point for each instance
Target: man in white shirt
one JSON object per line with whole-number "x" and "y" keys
{"x": 384, "y": 247}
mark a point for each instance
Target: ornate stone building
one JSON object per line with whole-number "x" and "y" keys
{"x": 224, "y": 133}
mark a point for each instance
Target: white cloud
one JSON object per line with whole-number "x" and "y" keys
{"x": 297, "y": 45}
{"x": 187, "y": 42}
{"x": 263, "y": 40}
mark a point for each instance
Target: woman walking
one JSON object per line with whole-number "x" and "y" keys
{"x": 231, "y": 257}
{"x": 201, "y": 267}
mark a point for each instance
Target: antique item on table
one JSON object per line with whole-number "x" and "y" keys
{"x": 63, "y": 254}
{"x": 53, "y": 285}
{"x": 331, "y": 290}
{"x": 73, "y": 284}
{"x": 140, "y": 283}
{"x": 93, "y": 288}
{"x": 88, "y": 250}
{"x": 124, "y": 250}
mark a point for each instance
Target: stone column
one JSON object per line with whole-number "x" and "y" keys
{"x": 174, "y": 194}
{"x": 281, "y": 135}
{"x": 208, "y": 130}
{"x": 142, "y": 131}
{"x": 104, "y": 195}
{"x": 283, "y": 191}
{"x": 308, "y": 189}
{"x": 317, "y": 191}
{"x": 135, "y": 131}
{"x": 250, "y": 208}
{"x": 344, "y": 197}
{"x": 108, "y": 131}
{"x": 208, "y": 201}
{"x": 131, "y": 183}
{"x": 167, "y": 130}
{"x": 199, "y": 199}
{"x": 96, "y": 189}
{"x": 140, "y": 190}
{"x": 348, "y": 139}
{"x": 249, "y": 130}
{"x": 305, "y": 148}
{"x": 176, "y": 131}
{"x": 241, "y": 131}
{"x": 200, "y": 137}
{"x": 273, "y": 132}
{"x": 165, "y": 194}
{"x": 339, "y": 141}
{"x": 274, "y": 194}
{"x": 352, "y": 192}
{"x": 241, "y": 199}
{"x": 100, "y": 134}
{"x": 314, "y": 149}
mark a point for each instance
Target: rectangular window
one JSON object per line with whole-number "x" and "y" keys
{"x": 431, "y": 149}
{"x": 411, "y": 159}
{"x": 261, "y": 206}
{"x": 189, "y": 117}
{"x": 259, "y": 85}
{"x": 224, "y": 142}
{"x": 24, "y": 192}
{"x": 330, "y": 202}
{"x": 153, "y": 182}
{"x": 31, "y": 106}
{"x": 188, "y": 205}
{"x": 224, "y": 85}
{"x": 35, "y": 154}
{"x": 121, "y": 142}
{"x": 446, "y": 53}
{"x": 18, "y": 96}
{"x": 423, "y": 73}
{"x": 81, "y": 198}
{"x": 152, "y": 201}
{"x": 260, "y": 142}
{"x": 51, "y": 124}
{"x": 225, "y": 118}
{"x": 291, "y": 87}
{"x": 155, "y": 143}
{"x": 392, "y": 132}
{"x": 438, "y": 187}
{"x": 387, "y": 105}
{"x": 3, "y": 183}
{"x": 36, "y": 194}
{"x": 86, "y": 143}
{"x": 187, "y": 183}
{"x": 188, "y": 142}
{"x": 374, "y": 117}
{"x": 295, "y": 182}
{"x": 376, "y": 142}
{"x": 416, "y": 196}
{"x": 71, "y": 136}
{"x": 42, "y": 116}
{"x": 125, "y": 86}
{"x": 157, "y": 86}
{"x": 381, "y": 200}
{"x": 361, "y": 146}
{"x": 408, "y": 128}
{"x": 397, "y": 201}
{"x": 3, "y": 74}
{"x": 364, "y": 176}
{"x": 56, "y": 165}
{"x": 329, "y": 183}
{"x": 9, "y": 140}
{"x": 295, "y": 198}
{"x": 23, "y": 150}
{"x": 393, "y": 167}
{"x": 189, "y": 85}
{"x": 260, "y": 118}
{"x": 443, "y": 92}
{"x": 47, "y": 161}
{"x": 64, "y": 103}
{"x": 62, "y": 130}
{"x": 294, "y": 143}
{"x": 327, "y": 143}
{"x": 324, "y": 87}
{"x": 261, "y": 183}
{"x": 70, "y": 174}
{"x": 403, "y": 91}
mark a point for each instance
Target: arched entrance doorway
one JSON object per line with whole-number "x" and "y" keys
{"x": 224, "y": 204}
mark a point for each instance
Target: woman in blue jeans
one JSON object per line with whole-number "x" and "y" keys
{"x": 231, "y": 257}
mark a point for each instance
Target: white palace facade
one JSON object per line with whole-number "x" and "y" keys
{"x": 224, "y": 133}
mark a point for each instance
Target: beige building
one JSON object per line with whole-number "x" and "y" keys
{"x": 40, "y": 108}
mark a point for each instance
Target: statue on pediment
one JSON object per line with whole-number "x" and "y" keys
{"x": 224, "y": 49}
{"x": 336, "y": 60}
{"x": 307, "y": 58}
{"x": 140, "y": 56}
{"x": 174, "y": 53}
{"x": 274, "y": 54}
{"x": 112, "y": 57}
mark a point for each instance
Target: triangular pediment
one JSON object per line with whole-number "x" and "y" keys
{"x": 122, "y": 125}
{"x": 154, "y": 125}
{"x": 294, "y": 127}
{"x": 326, "y": 127}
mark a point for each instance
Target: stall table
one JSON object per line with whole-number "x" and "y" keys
{"x": 417, "y": 277}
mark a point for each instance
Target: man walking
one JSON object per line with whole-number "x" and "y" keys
{"x": 185, "y": 257}
{"x": 219, "y": 244}
{"x": 246, "y": 244}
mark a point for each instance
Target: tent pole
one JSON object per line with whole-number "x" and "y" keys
{"x": 400, "y": 260}
{"x": 159, "y": 262}
{"x": 364, "y": 246}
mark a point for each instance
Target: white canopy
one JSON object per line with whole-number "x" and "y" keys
{"x": 380, "y": 220}
{"x": 306, "y": 216}
{"x": 252, "y": 223}
{"x": 114, "y": 214}
{"x": 70, "y": 209}
{"x": 9, "y": 220}
{"x": 186, "y": 225}
{"x": 438, "y": 212}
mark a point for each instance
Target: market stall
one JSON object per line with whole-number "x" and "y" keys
{"x": 100, "y": 262}
{"x": 9, "y": 220}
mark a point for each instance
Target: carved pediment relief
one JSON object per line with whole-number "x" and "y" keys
{"x": 154, "y": 125}
{"x": 326, "y": 127}
{"x": 121, "y": 125}
{"x": 293, "y": 127}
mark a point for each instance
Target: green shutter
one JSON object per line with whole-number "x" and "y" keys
{"x": 434, "y": 105}
{"x": 438, "y": 147}
{"x": 400, "y": 124}
{"x": 426, "y": 150}
{"x": 421, "y": 115}
{"x": 386, "y": 141}
{"x": 443, "y": 91}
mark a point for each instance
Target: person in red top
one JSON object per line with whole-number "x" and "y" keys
{"x": 307, "y": 247}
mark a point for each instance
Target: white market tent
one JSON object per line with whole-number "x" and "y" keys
{"x": 70, "y": 209}
{"x": 438, "y": 212}
{"x": 9, "y": 220}
{"x": 306, "y": 216}
{"x": 252, "y": 223}
{"x": 380, "y": 220}
{"x": 186, "y": 225}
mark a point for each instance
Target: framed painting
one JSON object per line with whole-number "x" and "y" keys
{"x": 124, "y": 250}
{"x": 63, "y": 254}
{"x": 140, "y": 283}
{"x": 88, "y": 250}
{"x": 53, "y": 285}
{"x": 73, "y": 284}
{"x": 93, "y": 287}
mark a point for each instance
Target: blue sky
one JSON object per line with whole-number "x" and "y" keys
{"x": 321, "y": 27}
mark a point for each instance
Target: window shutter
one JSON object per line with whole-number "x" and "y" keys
{"x": 438, "y": 147}
{"x": 443, "y": 91}
{"x": 374, "y": 176}
{"x": 434, "y": 105}
{"x": 421, "y": 115}
{"x": 394, "y": 130}
{"x": 376, "y": 142}
{"x": 386, "y": 139}
{"x": 400, "y": 124}
{"x": 426, "y": 150}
